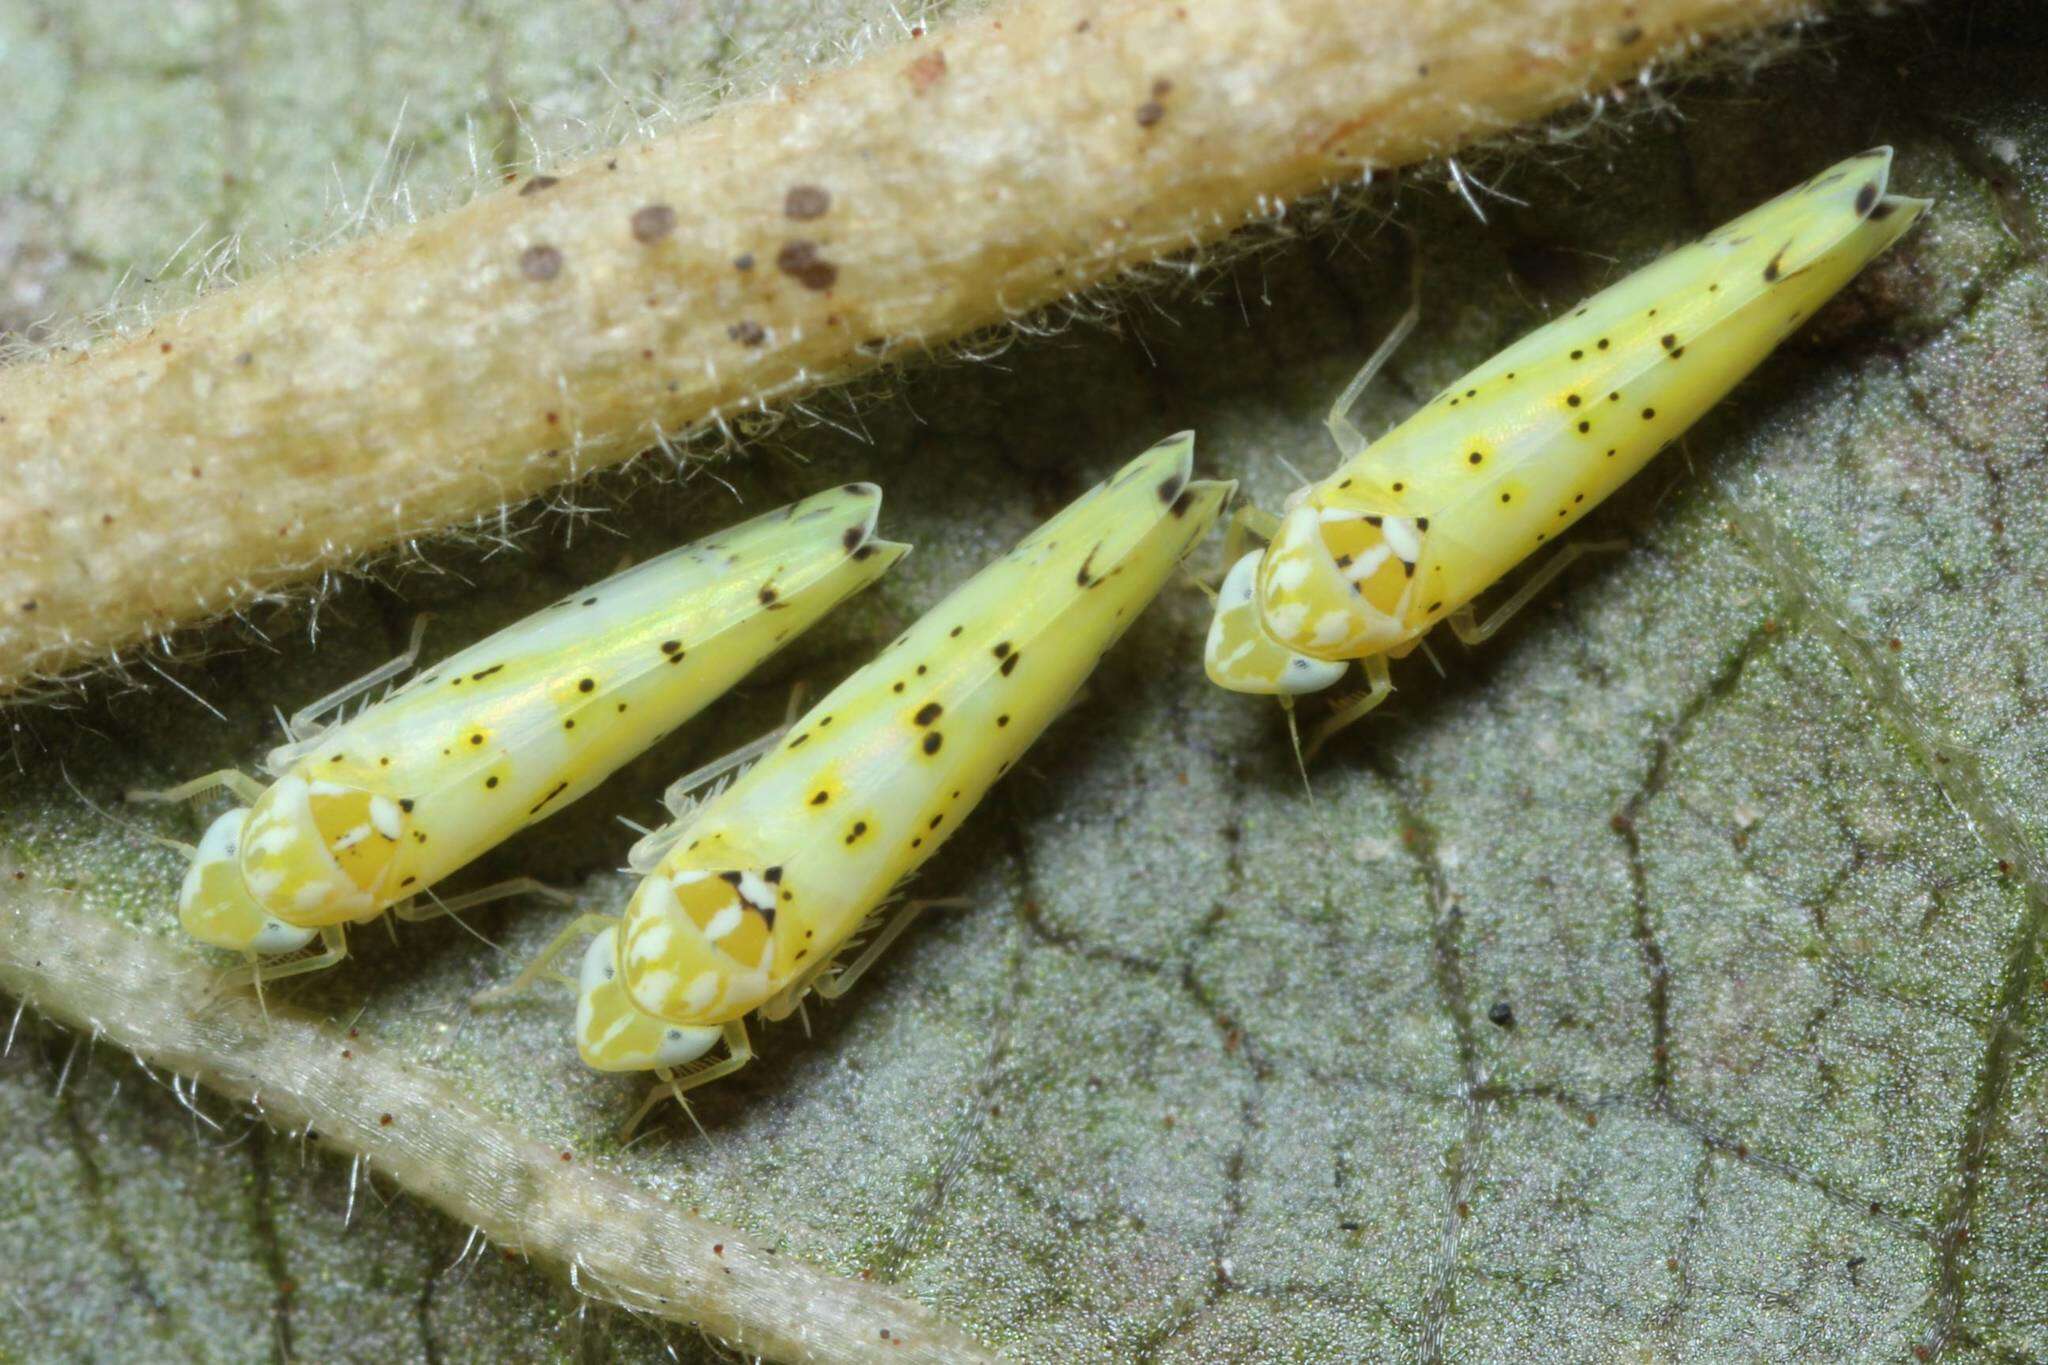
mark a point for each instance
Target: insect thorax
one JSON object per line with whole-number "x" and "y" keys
{"x": 317, "y": 852}
{"x": 1338, "y": 583}
{"x": 700, "y": 943}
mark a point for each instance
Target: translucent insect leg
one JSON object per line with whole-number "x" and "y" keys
{"x": 334, "y": 947}
{"x": 413, "y": 912}
{"x": 543, "y": 965}
{"x": 1246, "y": 523}
{"x": 672, "y": 1085}
{"x": 676, "y": 797}
{"x": 1350, "y": 440}
{"x": 1380, "y": 686}
{"x": 301, "y": 725}
{"x": 833, "y": 984}
{"x": 1468, "y": 628}
{"x": 247, "y": 788}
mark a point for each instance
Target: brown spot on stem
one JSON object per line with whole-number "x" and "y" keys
{"x": 927, "y": 71}
{"x": 537, "y": 184}
{"x": 652, "y": 223}
{"x": 801, "y": 262}
{"x": 805, "y": 202}
{"x": 540, "y": 263}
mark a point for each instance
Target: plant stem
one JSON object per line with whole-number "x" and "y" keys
{"x": 616, "y": 1241}
{"x": 430, "y": 375}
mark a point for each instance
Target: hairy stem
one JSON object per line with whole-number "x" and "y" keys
{"x": 429, "y": 375}
{"x": 617, "y": 1242}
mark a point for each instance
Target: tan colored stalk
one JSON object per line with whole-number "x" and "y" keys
{"x": 617, "y": 1242}
{"x": 425, "y": 376}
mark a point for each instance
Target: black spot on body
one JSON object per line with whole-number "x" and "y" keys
{"x": 587, "y": 685}
{"x": 491, "y": 781}
{"x": 768, "y": 595}
{"x": 853, "y": 538}
{"x": 1182, "y": 503}
{"x": 1866, "y": 200}
{"x": 671, "y": 647}
{"x": 820, "y": 798}
{"x": 932, "y": 742}
{"x": 928, "y": 713}
{"x": 1009, "y": 665}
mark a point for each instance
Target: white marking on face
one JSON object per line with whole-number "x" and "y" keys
{"x": 755, "y": 891}
{"x": 723, "y": 923}
{"x": 1290, "y": 572}
{"x": 385, "y": 815}
{"x": 702, "y": 991}
{"x": 1242, "y": 580}
{"x": 1400, "y": 533}
{"x": 1303, "y": 674}
{"x": 1332, "y": 627}
{"x": 652, "y": 944}
{"x": 275, "y": 838}
{"x": 1368, "y": 564}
